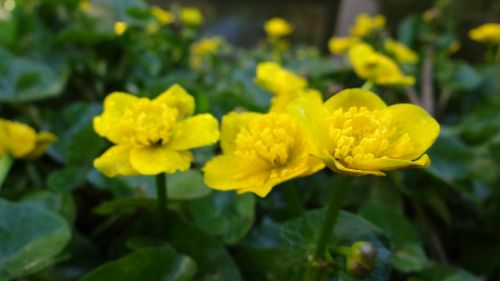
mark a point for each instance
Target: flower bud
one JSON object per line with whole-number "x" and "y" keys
{"x": 361, "y": 260}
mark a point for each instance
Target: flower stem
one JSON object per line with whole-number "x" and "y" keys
{"x": 161, "y": 195}
{"x": 316, "y": 272}
{"x": 368, "y": 85}
{"x": 5, "y": 163}
{"x": 292, "y": 199}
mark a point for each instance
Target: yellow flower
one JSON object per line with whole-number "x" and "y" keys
{"x": 203, "y": 48}
{"x": 21, "y": 141}
{"x": 371, "y": 65}
{"x": 120, "y": 27}
{"x": 340, "y": 45}
{"x": 163, "y": 16}
{"x": 191, "y": 16}
{"x": 356, "y": 133}
{"x": 454, "y": 47}
{"x": 365, "y": 25}
{"x": 488, "y": 32}
{"x": 277, "y": 28}
{"x": 84, "y": 5}
{"x": 400, "y": 52}
{"x": 279, "y": 103}
{"x": 274, "y": 78}
{"x": 260, "y": 151}
{"x": 151, "y": 136}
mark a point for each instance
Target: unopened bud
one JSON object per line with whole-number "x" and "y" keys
{"x": 362, "y": 259}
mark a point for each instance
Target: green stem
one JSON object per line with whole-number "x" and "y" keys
{"x": 5, "y": 163}
{"x": 342, "y": 250}
{"x": 292, "y": 199}
{"x": 316, "y": 270}
{"x": 368, "y": 85}
{"x": 161, "y": 196}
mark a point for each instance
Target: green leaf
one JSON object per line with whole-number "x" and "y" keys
{"x": 23, "y": 80}
{"x": 465, "y": 78}
{"x": 186, "y": 186}
{"x": 30, "y": 238}
{"x": 224, "y": 214}
{"x": 58, "y": 202}
{"x": 444, "y": 273}
{"x": 409, "y": 258}
{"x": 66, "y": 179}
{"x": 151, "y": 264}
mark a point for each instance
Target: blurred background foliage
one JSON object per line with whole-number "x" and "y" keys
{"x": 62, "y": 220}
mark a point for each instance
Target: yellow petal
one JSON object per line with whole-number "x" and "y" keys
{"x": 418, "y": 124}
{"x": 115, "y": 162}
{"x": 196, "y": 131}
{"x": 228, "y": 172}
{"x": 354, "y": 98}
{"x": 176, "y": 96}
{"x": 154, "y": 160}
{"x": 232, "y": 123}
{"x": 277, "y": 80}
{"x": 16, "y": 138}
{"x": 279, "y": 103}
{"x": 311, "y": 116}
{"x": 393, "y": 164}
{"x": 43, "y": 140}
{"x": 115, "y": 105}
{"x": 338, "y": 167}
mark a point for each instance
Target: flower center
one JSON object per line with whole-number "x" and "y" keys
{"x": 272, "y": 138}
{"x": 150, "y": 123}
{"x": 359, "y": 134}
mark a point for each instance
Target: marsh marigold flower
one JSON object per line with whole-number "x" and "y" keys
{"x": 151, "y": 136}
{"x": 340, "y": 45}
{"x": 21, "y": 141}
{"x": 488, "y": 32}
{"x": 277, "y": 27}
{"x": 191, "y": 16}
{"x": 400, "y": 52}
{"x": 283, "y": 84}
{"x": 356, "y": 133}
{"x": 120, "y": 27}
{"x": 202, "y": 48}
{"x": 163, "y": 16}
{"x": 365, "y": 25}
{"x": 376, "y": 67}
{"x": 259, "y": 151}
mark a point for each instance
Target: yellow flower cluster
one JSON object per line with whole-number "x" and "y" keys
{"x": 164, "y": 17}
{"x": 277, "y": 28}
{"x": 152, "y": 136}
{"x": 202, "y": 48}
{"x": 283, "y": 84}
{"x": 120, "y": 28}
{"x": 355, "y": 133}
{"x": 21, "y": 141}
{"x": 376, "y": 67}
{"x": 340, "y": 45}
{"x": 488, "y": 32}
{"x": 365, "y": 25}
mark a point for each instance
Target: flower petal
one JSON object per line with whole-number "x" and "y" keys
{"x": 115, "y": 105}
{"x": 229, "y": 172}
{"x": 354, "y": 98}
{"x": 159, "y": 159}
{"x": 16, "y": 138}
{"x": 338, "y": 167}
{"x": 279, "y": 103}
{"x": 311, "y": 116}
{"x": 43, "y": 140}
{"x": 115, "y": 162}
{"x": 232, "y": 123}
{"x": 393, "y": 164}
{"x": 421, "y": 127}
{"x": 176, "y": 96}
{"x": 196, "y": 131}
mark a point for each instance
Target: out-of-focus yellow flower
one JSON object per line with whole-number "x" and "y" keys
{"x": 260, "y": 151}
{"x": 355, "y": 133}
{"x": 120, "y": 27}
{"x": 191, "y": 16}
{"x": 365, "y": 24}
{"x": 202, "y": 48}
{"x": 152, "y": 136}
{"x": 340, "y": 45}
{"x": 84, "y": 5}
{"x": 488, "y": 33}
{"x": 400, "y": 52}
{"x": 277, "y": 27}
{"x": 21, "y": 141}
{"x": 276, "y": 79}
{"x": 373, "y": 66}
{"x": 163, "y": 16}
{"x": 280, "y": 102}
